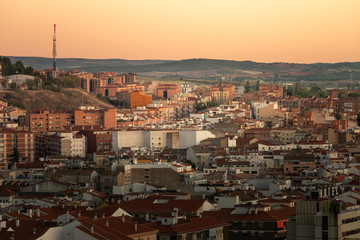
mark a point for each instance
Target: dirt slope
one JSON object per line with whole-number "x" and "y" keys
{"x": 67, "y": 99}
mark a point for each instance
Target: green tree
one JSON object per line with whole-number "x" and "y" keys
{"x": 247, "y": 87}
{"x": 341, "y": 95}
{"x": 13, "y": 86}
{"x": 257, "y": 87}
{"x": 20, "y": 68}
{"x": 269, "y": 124}
{"x": 338, "y": 116}
{"x": 15, "y": 155}
{"x": 297, "y": 87}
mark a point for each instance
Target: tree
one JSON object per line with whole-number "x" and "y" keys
{"x": 13, "y": 86}
{"x": 341, "y": 95}
{"x": 269, "y": 124}
{"x": 257, "y": 87}
{"x": 247, "y": 87}
{"x": 338, "y": 116}
{"x": 15, "y": 155}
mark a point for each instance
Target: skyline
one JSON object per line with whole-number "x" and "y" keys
{"x": 280, "y": 31}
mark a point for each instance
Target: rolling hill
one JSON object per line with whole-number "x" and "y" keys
{"x": 67, "y": 99}
{"x": 205, "y": 68}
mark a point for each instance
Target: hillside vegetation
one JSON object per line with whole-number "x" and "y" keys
{"x": 66, "y": 99}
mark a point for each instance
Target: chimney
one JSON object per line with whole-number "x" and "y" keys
{"x": 103, "y": 215}
{"x": 123, "y": 217}
{"x": 75, "y": 205}
{"x": 92, "y": 228}
{"x": 34, "y": 231}
{"x": 176, "y": 215}
{"x": 79, "y": 213}
{"x": 107, "y": 222}
{"x": 38, "y": 212}
{"x": 63, "y": 205}
{"x": 147, "y": 217}
{"x": 17, "y": 222}
{"x": 67, "y": 216}
{"x": 135, "y": 225}
{"x": 95, "y": 216}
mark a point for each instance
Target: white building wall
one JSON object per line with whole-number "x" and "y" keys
{"x": 130, "y": 139}
{"x": 157, "y": 139}
{"x": 80, "y": 235}
{"x": 66, "y": 232}
{"x": 190, "y": 138}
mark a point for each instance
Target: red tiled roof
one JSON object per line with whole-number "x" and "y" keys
{"x": 270, "y": 216}
{"x": 149, "y": 205}
{"x": 7, "y": 192}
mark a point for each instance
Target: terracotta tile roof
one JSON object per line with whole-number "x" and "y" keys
{"x": 189, "y": 225}
{"x": 266, "y": 216}
{"x": 25, "y": 230}
{"x": 7, "y": 192}
{"x": 116, "y": 229}
{"x": 151, "y": 205}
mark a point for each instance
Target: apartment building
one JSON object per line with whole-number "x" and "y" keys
{"x": 321, "y": 219}
{"x": 95, "y": 117}
{"x": 68, "y": 144}
{"x": 133, "y": 99}
{"x": 3, "y": 148}
{"x": 167, "y": 90}
{"x": 97, "y": 140}
{"x": 45, "y": 120}
{"x": 48, "y": 120}
{"x": 23, "y": 141}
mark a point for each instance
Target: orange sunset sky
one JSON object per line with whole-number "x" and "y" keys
{"x": 258, "y": 30}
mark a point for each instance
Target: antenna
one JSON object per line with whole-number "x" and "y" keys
{"x": 221, "y": 90}
{"x": 54, "y": 52}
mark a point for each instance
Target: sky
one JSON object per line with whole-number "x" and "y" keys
{"x": 300, "y": 31}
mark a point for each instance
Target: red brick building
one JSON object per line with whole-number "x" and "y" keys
{"x": 45, "y": 120}
{"x": 343, "y": 105}
{"x": 334, "y": 93}
{"x": 303, "y": 120}
{"x": 133, "y": 99}
{"x": 167, "y": 90}
{"x": 97, "y": 140}
{"x": 103, "y": 117}
{"x": 24, "y": 141}
{"x": 229, "y": 89}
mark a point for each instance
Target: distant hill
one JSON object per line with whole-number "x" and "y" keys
{"x": 67, "y": 99}
{"x": 203, "y": 68}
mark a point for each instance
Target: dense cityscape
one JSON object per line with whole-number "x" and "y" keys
{"x": 187, "y": 149}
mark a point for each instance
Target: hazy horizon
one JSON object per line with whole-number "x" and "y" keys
{"x": 248, "y": 60}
